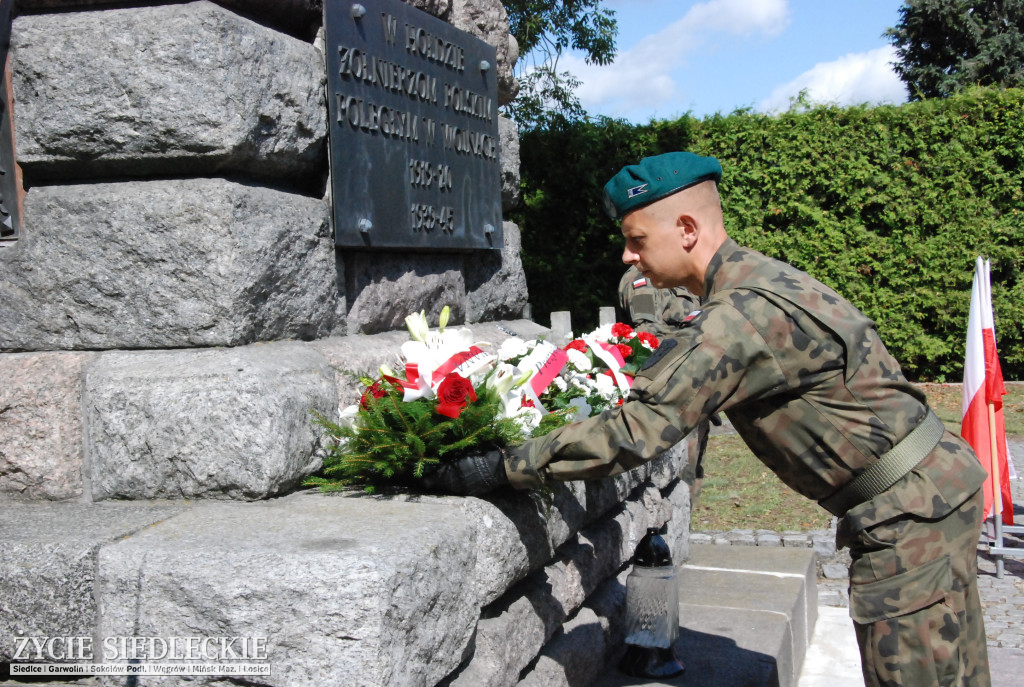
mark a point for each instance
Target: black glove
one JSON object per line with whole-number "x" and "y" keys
{"x": 469, "y": 476}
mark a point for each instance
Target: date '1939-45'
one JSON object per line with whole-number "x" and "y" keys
{"x": 429, "y": 218}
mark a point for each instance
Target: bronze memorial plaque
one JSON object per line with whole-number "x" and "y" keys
{"x": 412, "y": 104}
{"x": 10, "y": 208}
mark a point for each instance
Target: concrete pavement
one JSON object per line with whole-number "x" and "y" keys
{"x": 832, "y": 658}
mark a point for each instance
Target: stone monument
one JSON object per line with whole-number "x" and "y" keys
{"x": 187, "y": 275}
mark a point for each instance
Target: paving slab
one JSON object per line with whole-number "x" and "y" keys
{"x": 832, "y": 659}
{"x": 776, "y": 580}
{"x": 746, "y": 615}
{"x": 720, "y": 653}
{"x": 1006, "y": 666}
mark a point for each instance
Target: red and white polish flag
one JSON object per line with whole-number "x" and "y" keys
{"x": 983, "y": 392}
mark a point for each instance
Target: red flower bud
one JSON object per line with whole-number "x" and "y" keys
{"x": 375, "y": 391}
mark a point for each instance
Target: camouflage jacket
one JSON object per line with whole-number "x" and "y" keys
{"x": 800, "y": 372}
{"x": 657, "y": 311}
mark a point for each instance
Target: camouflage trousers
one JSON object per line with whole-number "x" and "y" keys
{"x": 914, "y": 601}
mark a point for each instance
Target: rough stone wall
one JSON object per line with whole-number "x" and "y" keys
{"x": 207, "y": 125}
{"x": 174, "y": 157}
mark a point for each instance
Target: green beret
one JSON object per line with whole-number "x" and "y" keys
{"x": 655, "y": 178}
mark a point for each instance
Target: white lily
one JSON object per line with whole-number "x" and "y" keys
{"x": 430, "y": 348}
{"x": 505, "y": 385}
{"x": 347, "y": 417}
{"x": 503, "y": 379}
{"x": 417, "y": 326}
{"x": 436, "y": 347}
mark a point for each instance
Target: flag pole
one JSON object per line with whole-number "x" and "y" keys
{"x": 997, "y": 491}
{"x": 997, "y": 486}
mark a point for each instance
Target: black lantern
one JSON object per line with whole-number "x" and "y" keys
{"x": 652, "y": 611}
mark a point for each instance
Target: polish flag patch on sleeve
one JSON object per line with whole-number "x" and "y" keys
{"x": 637, "y": 283}
{"x": 691, "y": 316}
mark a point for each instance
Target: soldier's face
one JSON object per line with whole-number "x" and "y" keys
{"x": 655, "y": 246}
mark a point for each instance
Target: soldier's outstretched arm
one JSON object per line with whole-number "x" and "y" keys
{"x": 717, "y": 361}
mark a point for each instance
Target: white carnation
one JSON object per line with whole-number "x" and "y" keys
{"x": 579, "y": 360}
{"x": 606, "y": 385}
{"x": 578, "y": 381}
{"x": 528, "y": 418}
{"x": 347, "y": 416}
{"x": 583, "y": 409}
{"x": 512, "y": 347}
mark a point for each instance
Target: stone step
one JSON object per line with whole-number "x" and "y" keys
{"x": 344, "y": 589}
{"x": 222, "y": 423}
{"x": 746, "y": 617}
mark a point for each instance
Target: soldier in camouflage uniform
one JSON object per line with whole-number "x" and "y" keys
{"x": 809, "y": 386}
{"x": 661, "y": 312}
{"x": 658, "y": 311}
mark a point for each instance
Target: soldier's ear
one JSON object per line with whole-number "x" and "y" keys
{"x": 689, "y": 229}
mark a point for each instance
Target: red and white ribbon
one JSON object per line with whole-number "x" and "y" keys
{"x": 545, "y": 361}
{"x": 611, "y": 357}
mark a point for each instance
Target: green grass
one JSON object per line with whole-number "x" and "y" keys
{"x": 945, "y": 399}
{"x": 741, "y": 493}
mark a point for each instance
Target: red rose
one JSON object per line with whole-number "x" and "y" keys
{"x": 452, "y": 394}
{"x": 622, "y": 330}
{"x": 375, "y": 391}
{"x": 624, "y": 350}
{"x": 576, "y": 345}
{"x": 649, "y": 339}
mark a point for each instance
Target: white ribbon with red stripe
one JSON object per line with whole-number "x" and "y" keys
{"x": 545, "y": 361}
{"x": 464, "y": 363}
{"x": 610, "y": 356}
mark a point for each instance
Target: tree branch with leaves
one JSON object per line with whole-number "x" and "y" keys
{"x": 545, "y": 29}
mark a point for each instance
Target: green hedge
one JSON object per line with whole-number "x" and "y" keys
{"x": 888, "y": 205}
